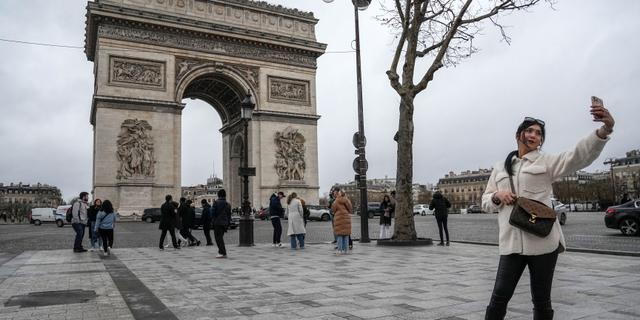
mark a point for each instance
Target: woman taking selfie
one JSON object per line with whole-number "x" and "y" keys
{"x": 528, "y": 173}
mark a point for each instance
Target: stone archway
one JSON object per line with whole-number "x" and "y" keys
{"x": 149, "y": 55}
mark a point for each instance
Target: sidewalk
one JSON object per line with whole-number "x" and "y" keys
{"x": 263, "y": 282}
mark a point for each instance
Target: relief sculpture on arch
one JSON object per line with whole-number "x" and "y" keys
{"x": 290, "y": 150}
{"x": 135, "y": 150}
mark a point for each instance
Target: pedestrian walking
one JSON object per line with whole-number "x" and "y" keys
{"x": 221, "y": 215}
{"x": 92, "y": 213}
{"x": 295, "y": 227}
{"x": 528, "y": 173}
{"x": 277, "y": 213}
{"x": 104, "y": 226}
{"x": 187, "y": 216}
{"x": 79, "y": 220}
{"x": 441, "y": 206}
{"x": 206, "y": 221}
{"x": 385, "y": 218}
{"x": 342, "y": 209}
{"x": 168, "y": 213}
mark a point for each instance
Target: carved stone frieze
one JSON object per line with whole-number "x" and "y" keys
{"x": 204, "y": 43}
{"x": 288, "y": 91}
{"x": 248, "y": 73}
{"x": 135, "y": 150}
{"x": 136, "y": 73}
{"x": 290, "y": 160}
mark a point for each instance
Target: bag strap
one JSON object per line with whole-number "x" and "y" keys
{"x": 513, "y": 189}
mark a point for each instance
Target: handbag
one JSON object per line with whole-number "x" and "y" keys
{"x": 531, "y": 216}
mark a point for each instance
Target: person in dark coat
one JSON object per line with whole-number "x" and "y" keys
{"x": 206, "y": 220}
{"x": 385, "y": 218}
{"x": 277, "y": 213}
{"x": 441, "y": 205}
{"x": 187, "y": 216}
{"x": 221, "y": 215}
{"x": 168, "y": 221}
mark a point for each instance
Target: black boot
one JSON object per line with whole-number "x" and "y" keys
{"x": 543, "y": 314}
{"x": 494, "y": 314}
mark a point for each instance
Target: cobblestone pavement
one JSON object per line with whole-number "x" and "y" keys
{"x": 583, "y": 230}
{"x": 263, "y": 282}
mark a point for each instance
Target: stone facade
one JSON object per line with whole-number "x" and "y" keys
{"x": 16, "y": 199}
{"x": 150, "y": 55}
{"x": 626, "y": 172}
{"x": 464, "y": 189}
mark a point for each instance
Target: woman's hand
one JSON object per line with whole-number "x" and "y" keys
{"x": 505, "y": 197}
{"x": 601, "y": 114}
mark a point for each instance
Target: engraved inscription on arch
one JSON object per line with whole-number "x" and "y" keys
{"x": 140, "y": 73}
{"x": 288, "y": 91}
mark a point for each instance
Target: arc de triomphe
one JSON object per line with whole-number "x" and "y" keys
{"x": 149, "y": 55}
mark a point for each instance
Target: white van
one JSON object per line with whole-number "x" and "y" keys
{"x": 37, "y": 216}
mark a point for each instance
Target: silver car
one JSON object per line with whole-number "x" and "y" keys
{"x": 320, "y": 213}
{"x": 560, "y": 209}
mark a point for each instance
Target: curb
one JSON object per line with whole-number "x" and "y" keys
{"x": 594, "y": 251}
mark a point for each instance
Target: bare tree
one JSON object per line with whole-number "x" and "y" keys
{"x": 443, "y": 31}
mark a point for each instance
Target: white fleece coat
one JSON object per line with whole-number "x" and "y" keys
{"x": 532, "y": 178}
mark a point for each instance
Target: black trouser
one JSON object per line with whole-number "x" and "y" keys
{"x": 510, "y": 270}
{"x": 277, "y": 229}
{"x": 442, "y": 223}
{"x": 107, "y": 238}
{"x": 173, "y": 237}
{"x": 186, "y": 233}
{"x": 218, "y": 233}
{"x": 206, "y": 227}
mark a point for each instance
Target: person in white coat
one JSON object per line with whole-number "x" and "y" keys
{"x": 295, "y": 230}
{"x": 532, "y": 173}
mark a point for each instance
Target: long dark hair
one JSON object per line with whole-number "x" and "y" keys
{"x": 523, "y": 126}
{"x": 107, "y": 207}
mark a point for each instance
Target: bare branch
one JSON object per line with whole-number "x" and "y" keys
{"x": 437, "y": 62}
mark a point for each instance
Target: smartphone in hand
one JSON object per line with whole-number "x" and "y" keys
{"x": 596, "y": 102}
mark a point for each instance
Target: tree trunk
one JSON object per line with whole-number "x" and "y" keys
{"x": 405, "y": 228}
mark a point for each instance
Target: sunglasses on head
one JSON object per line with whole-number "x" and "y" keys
{"x": 538, "y": 121}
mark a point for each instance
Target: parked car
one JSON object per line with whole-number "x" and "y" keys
{"x": 320, "y": 213}
{"x": 38, "y": 216}
{"x": 421, "y": 209}
{"x": 62, "y": 212}
{"x": 263, "y": 214}
{"x": 625, "y": 217}
{"x": 235, "y": 218}
{"x": 474, "y": 208}
{"x": 373, "y": 209}
{"x": 151, "y": 215}
{"x": 561, "y": 210}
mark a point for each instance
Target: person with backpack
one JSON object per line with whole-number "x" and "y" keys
{"x": 305, "y": 211}
{"x": 104, "y": 225}
{"x": 79, "y": 220}
{"x": 206, "y": 221}
{"x": 168, "y": 221}
{"x": 221, "y": 216}
{"x": 296, "y": 229}
{"x": 92, "y": 213}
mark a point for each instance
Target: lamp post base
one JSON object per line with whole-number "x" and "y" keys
{"x": 246, "y": 231}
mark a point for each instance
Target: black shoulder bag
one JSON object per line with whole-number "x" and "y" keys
{"x": 531, "y": 216}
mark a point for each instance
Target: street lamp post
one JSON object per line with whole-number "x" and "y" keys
{"x": 611, "y": 162}
{"x": 246, "y": 218}
{"x": 360, "y": 164}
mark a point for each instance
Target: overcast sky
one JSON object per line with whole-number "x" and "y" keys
{"x": 465, "y": 120}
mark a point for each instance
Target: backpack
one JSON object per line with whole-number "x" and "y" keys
{"x": 305, "y": 212}
{"x": 69, "y": 214}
